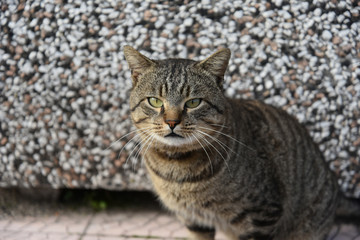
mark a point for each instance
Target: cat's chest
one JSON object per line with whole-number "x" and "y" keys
{"x": 187, "y": 201}
{"x": 172, "y": 192}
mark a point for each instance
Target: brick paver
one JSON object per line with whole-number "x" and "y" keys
{"x": 113, "y": 225}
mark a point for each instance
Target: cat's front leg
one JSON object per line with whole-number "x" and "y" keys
{"x": 200, "y": 233}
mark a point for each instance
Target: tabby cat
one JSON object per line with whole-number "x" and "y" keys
{"x": 239, "y": 166}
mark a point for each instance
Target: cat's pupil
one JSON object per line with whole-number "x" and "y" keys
{"x": 155, "y": 102}
{"x": 193, "y": 103}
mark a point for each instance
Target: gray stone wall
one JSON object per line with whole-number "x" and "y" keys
{"x": 64, "y": 83}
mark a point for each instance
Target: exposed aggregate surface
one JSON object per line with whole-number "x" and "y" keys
{"x": 64, "y": 82}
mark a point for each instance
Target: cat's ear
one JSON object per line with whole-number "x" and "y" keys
{"x": 217, "y": 63}
{"x": 138, "y": 63}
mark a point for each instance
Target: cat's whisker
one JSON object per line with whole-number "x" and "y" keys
{"x": 151, "y": 141}
{"x": 122, "y": 137}
{"x": 141, "y": 147}
{"x": 219, "y": 142}
{"x": 129, "y": 141}
{"x": 143, "y": 144}
{"x": 218, "y": 125}
{"x": 227, "y": 135}
{"x": 207, "y": 135}
{"x": 136, "y": 135}
{"x": 207, "y": 154}
{"x": 225, "y": 160}
{"x": 129, "y": 156}
{"x": 121, "y": 150}
{"x": 136, "y": 146}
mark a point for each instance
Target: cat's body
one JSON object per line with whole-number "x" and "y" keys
{"x": 239, "y": 166}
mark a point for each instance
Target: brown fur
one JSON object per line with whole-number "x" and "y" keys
{"x": 239, "y": 166}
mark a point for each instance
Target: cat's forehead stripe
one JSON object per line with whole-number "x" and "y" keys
{"x": 176, "y": 79}
{"x": 187, "y": 93}
{"x": 183, "y": 82}
{"x": 166, "y": 88}
{"x": 161, "y": 90}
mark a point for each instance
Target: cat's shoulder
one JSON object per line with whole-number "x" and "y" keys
{"x": 254, "y": 104}
{"x": 258, "y": 110}
{"x": 248, "y": 104}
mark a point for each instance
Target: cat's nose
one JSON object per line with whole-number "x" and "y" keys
{"x": 172, "y": 123}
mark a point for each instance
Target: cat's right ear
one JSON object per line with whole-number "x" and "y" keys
{"x": 138, "y": 63}
{"x": 216, "y": 64}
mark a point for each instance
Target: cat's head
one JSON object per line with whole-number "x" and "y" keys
{"x": 177, "y": 102}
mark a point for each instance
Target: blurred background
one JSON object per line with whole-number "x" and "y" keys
{"x": 64, "y": 82}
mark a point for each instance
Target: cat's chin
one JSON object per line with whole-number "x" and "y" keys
{"x": 177, "y": 141}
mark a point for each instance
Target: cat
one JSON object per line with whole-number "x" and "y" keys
{"x": 241, "y": 167}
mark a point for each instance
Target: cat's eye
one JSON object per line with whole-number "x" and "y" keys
{"x": 193, "y": 103}
{"x": 155, "y": 102}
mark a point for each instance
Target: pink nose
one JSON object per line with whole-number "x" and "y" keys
{"x": 172, "y": 123}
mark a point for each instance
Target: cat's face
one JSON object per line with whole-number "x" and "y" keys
{"x": 177, "y": 102}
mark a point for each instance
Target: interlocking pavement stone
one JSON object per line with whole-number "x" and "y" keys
{"x": 128, "y": 224}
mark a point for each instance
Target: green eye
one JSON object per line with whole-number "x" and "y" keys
{"x": 155, "y": 102}
{"x": 193, "y": 103}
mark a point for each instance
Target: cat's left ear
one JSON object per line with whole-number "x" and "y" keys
{"x": 217, "y": 63}
{"x": 138, "y": 63}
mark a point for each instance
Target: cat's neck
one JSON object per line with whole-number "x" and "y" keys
{"x": 175, "y": 155}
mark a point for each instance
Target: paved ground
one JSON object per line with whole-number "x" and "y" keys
{"x": 110, "y": 225}
{"x": 130, "y": 221}
{"x": 94, "y": 226}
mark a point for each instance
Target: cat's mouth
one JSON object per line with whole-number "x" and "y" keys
{"x": 172, "y": 134}
{"x": 174, "y": 139}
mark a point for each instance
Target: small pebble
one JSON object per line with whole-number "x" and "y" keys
{"x": 188, "y": 22}
{"x": 326, "y": 35}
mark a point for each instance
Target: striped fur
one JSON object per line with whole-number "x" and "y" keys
{"x": 238, "y": 166}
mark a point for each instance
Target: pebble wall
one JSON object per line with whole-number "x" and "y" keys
{"x": 64, "y": 82}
